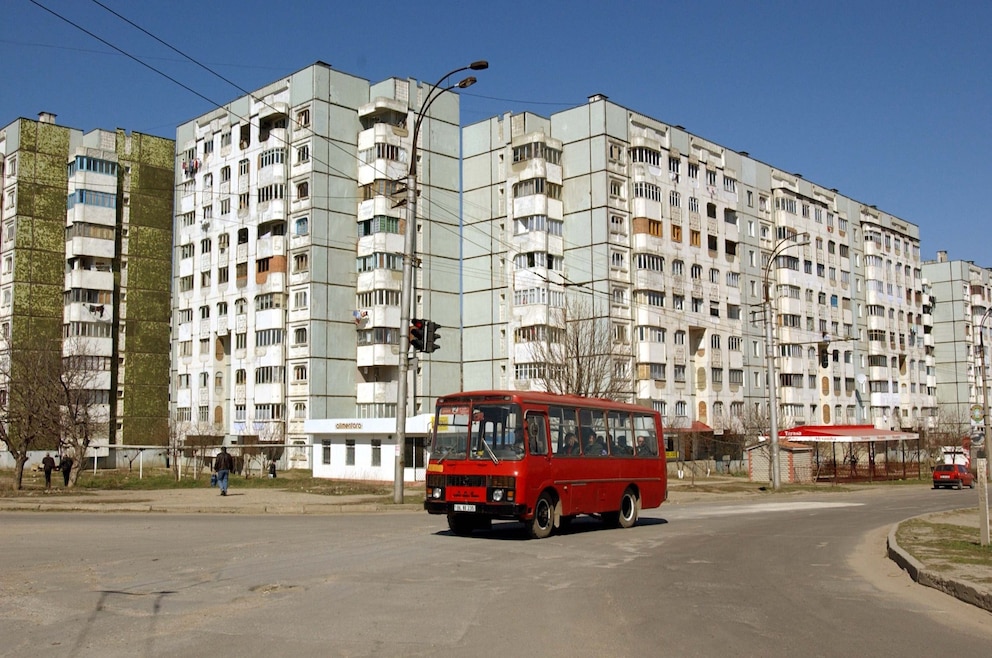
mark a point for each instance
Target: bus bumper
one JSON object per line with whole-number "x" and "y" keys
{"x": 494, "y": 510}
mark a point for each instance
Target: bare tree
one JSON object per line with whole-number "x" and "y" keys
{"x": 29, "y": 399}
{"x": 580, "y": 354}
{"x": 728, "y": 436}
{"x": 754, "y": 422}
{"x": 84, "y": 411}
{"x": 950, "y": 425}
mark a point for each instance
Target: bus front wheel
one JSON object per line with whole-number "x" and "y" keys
{"x": 461, "y": 524}
{"x": 543, "y": 521}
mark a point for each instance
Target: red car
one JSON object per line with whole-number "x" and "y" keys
{"x": 952, "y": 475}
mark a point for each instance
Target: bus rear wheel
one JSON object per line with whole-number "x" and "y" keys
{"x": 543, "y": 521}
{"x": 630, "y": 506}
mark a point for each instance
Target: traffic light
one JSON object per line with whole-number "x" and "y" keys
{"x": 824, "y": 357}
{"x": 431, "y": 336}
{"x": 417, "y": 334}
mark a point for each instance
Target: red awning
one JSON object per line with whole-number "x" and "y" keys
{"x": 843, "y": 434}
{"x": 696, "y": 427}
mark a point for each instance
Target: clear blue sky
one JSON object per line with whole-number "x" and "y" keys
{"x": 889, "y": 102}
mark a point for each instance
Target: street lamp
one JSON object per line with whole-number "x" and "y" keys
{"x": 982, "y": 465}
{"x": 985, "y": 383}
{"x": 409, "y": 248}
{"x": 781, "y": 246}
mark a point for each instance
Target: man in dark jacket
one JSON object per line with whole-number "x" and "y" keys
{"x": 65, "y": 465}
{"x": 223, "y": 465}
{"x": 49, "y": 465}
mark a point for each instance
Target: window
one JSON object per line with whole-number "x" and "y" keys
{"x": 379, "y": 224}
{"x": 303, "y": 120}
{"x": 301, "y": 262}
{"x": 268, "y": 300}
{"x": 301, "y": 226}
{"x": 271, "y": 157}
{"x": 303, "y": 154}
{"x": 646, "y": 190}
{"x": 264, "y": 337}
{"x": 538, "y": 150}
{"x": 303, "y": 190}
{"x": 537, "y": 186}
{"x": 645, "y": 155}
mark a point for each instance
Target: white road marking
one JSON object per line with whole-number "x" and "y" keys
{"x": 755, "y": 508}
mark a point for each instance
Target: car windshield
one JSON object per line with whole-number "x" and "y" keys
{"x": 484, "y": 431}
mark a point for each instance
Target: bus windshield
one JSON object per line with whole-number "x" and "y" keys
{"x": 484, "y": 431}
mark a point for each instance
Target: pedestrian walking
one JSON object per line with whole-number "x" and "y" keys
{"x": 48, "y": 463}
{"x": 65, "y": 465}
{"x": 223, "y": 465}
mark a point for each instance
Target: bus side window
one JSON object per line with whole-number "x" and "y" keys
{"x": 536, "y": 434}
{"x": 647, "y": 439}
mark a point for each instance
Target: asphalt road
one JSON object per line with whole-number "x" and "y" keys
{"x": 803, "y": 575}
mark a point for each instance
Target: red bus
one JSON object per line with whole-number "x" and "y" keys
{"x": 542, "y": 459}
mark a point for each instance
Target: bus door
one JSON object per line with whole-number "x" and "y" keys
{"x": 538, "y": 451}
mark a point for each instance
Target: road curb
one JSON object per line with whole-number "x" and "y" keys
{"x": 959, "y": 589}
{"x": 317, "y": 509}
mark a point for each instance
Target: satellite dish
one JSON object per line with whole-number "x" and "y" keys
{"x": 861, "y": 379}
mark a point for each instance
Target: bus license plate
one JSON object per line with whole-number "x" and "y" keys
{"x": 462, "y": 507}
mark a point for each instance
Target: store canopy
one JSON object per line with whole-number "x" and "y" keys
{"x": 844, "y": 434}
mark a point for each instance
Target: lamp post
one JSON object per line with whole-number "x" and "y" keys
{"x": 985, "y": 383}
{"x": 409, "y": 249}
{"x": 781, "y": 246}
{"x": 983, "y": 464}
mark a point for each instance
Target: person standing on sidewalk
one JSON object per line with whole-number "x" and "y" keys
{"x": 223, "y": 465}
{"x": 49, "y": 465}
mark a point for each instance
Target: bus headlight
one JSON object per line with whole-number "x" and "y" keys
{"x": 436, "y": 493}
{"x": 497, "y": 495}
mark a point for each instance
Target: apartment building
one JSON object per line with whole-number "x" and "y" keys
{"x": 962, "y": 295}
{"x": 673, "y": 240}
{"x": 86, "y": 221}
{"x": 288, "y": 266}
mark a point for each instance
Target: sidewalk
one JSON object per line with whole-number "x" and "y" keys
{"x": 206, "y": 500}
{"x": 967, "y": 581}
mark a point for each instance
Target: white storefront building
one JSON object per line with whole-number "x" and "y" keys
{"x": 365, "y": 448}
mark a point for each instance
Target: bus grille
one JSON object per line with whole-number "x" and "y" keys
{"x": 466, "y": 480}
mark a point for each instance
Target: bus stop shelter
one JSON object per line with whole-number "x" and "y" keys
{"x": 851, "y": 453}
